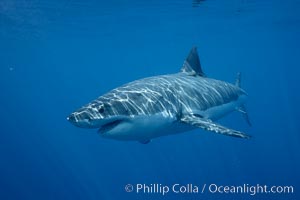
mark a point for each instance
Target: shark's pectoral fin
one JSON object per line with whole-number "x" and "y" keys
{"x": 209, "y": 125}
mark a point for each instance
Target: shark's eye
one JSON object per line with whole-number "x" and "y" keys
{"x": 101, "y": 110}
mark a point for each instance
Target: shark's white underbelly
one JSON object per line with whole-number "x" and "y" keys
{"x": 143, "y": 128}
{"x": 146, "y": 127}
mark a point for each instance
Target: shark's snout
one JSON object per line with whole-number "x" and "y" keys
{"x": 80, "y": 119}
{"x": 71, "y": 118}
{"x": 86, "y": 117}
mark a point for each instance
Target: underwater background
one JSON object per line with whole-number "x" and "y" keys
{"x": 56, "y": 56}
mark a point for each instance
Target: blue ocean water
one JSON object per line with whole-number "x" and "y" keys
{"x": 56, "y": 56}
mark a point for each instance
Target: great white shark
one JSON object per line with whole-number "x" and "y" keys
{"x": 164, "y": 105}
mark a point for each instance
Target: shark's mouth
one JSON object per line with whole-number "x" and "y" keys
{"x": 109, "y": 126}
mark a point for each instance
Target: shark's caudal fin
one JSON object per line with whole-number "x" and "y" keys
{"x": 192, "y": 64}
{"x": 208, "y": 125}
{"x": 242, "y": 109}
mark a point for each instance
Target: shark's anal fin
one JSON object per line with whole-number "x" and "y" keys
{"x": 242, "y": 109}
{"x": 209, "y": 125}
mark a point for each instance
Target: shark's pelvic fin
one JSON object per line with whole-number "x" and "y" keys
{"x": 208, "y": 125}
{"x": 243, "y": 111}
{"x": 242, "y": 108}
{"x": 192, "y": 64}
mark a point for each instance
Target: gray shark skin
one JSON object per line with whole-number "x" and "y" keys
{"x": 163, "y": 105}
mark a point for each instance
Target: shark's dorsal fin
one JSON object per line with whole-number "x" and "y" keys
{"x": 192, "y": 64}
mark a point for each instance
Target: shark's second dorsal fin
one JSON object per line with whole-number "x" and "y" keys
{"x": 238, "y": 80}
{"x": 192, "y": 64}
